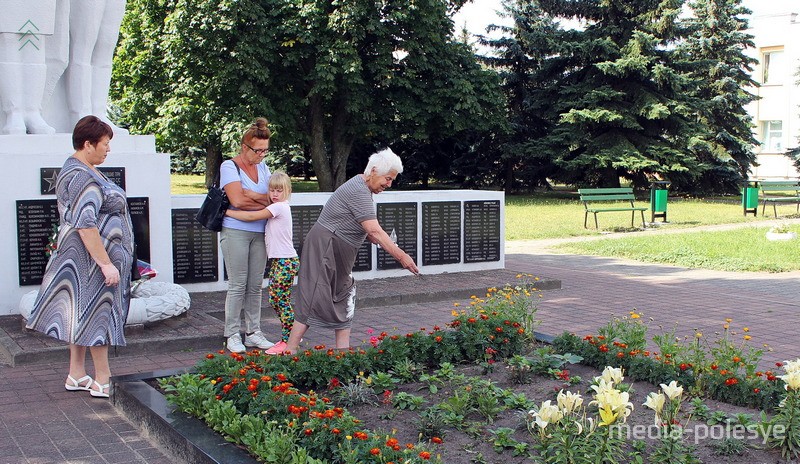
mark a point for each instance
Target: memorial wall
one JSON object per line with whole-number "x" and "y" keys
{"x": 451, "y": 231}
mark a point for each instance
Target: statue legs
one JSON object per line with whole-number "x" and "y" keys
{"x": 94, "y": 29}
{"x": 21, "y": 91}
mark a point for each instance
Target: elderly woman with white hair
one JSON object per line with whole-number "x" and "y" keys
{"x": 326, "y": 290}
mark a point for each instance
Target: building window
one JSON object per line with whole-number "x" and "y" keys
{"x": 772, "y": 67}
{"x": 772, "y": 141}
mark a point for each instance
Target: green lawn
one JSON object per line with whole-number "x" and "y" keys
{"x": 184, "y": 184}
{"x": 561, "y": 215}
{"x": 742, "y": 249}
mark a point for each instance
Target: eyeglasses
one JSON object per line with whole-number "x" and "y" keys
{"x": 259, "y": 152}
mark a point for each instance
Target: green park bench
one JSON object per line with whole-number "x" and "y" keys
{"x": 779, "y": 191}
{"x": 603, "y": 200}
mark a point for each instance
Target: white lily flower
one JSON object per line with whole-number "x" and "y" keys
{"x": 548, "y": 413}
{"x": 612, "y": 375}
{"x": 673, "y": 390}
{"x": 791, "y": 366}
{"x": 569, "y": 401}
{"x": 655, "y": 401}
{"x": 792, "y": 380}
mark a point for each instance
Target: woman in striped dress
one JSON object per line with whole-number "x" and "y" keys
{"x": 85, "y": 292}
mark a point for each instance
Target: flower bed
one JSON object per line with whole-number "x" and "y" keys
{"x": 427, "y": 390}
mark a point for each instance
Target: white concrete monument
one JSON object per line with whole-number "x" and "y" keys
{"x": 55, "y": 60}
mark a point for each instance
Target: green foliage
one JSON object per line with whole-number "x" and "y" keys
{"x": 407, "y": 401}
{"x": 431, "y": 423}
{"x": 355, "y": 393}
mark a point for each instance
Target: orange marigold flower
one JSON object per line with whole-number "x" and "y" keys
{"x": 436, "y": 440}
{"x": 374, "y": 451}
{"x": 425, "y": 455}
{"x": 210, "y": 356}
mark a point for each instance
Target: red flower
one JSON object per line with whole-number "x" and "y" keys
{"x": 683, "y": 366}
{"x": 308, "y": 432}
{"x": 731, "y": 381}
{"x": 425, "y": 455}
{"x": 603, "y": 348}
{"x": 374, "y": 451}
{"x": 210, "y": 356}
{"x": 436, "y": 440}
{"x": 281, "y": 377}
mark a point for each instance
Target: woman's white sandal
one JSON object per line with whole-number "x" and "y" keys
{"x": 78, "y": 385}
{"x": 101, "y": 392}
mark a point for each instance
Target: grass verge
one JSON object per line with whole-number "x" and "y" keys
{"x": 743, "y": 249}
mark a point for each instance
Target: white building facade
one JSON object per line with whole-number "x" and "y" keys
{"x": 775, "y": 26}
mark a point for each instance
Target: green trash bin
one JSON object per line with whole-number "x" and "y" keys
{"x": 658, "y": 200}
{"x": 750, "y": 197}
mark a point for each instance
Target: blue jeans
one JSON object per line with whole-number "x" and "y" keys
{"x": 245, "y": 258}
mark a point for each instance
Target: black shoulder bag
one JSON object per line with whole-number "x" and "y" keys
{"x": 212, "y": 211}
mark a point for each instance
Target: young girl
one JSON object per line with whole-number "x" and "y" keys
{"x": 280, "y": 249}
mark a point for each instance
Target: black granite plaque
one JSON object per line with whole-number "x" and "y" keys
{"x": 35, "y": 222}
{"x": 441, "y": 232}
{"x": 481, "y": 231}
{"x": 195, "y": 255}
{"x": 47, "y": 180}
{"x": 364, "y": 257}
{"x": 139, "y": 209}
{"x": 48, "y": 176}
{"x": 402, "y": 219}
{"x": 303, "y": 218}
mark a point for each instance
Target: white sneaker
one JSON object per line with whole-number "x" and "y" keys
{"x": 235, "y": 344}
{"x": 258, "y": 339}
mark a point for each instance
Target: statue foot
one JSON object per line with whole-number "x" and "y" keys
{"x": 37, "y": 125}
{"x": 15, "y": 125}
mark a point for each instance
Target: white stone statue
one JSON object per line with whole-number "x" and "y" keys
{"x": 26, "y": 28}
{"x": 49, "y": 45}
{"x": 93, "y": 33}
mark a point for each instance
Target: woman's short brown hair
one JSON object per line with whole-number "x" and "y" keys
{"x": 258, "y": 130}
{"x": 90, "y": 129}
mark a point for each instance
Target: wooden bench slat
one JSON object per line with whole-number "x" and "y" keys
{"x": 626, "y": 196}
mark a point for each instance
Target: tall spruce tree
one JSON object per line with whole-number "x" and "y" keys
{"x": 715, "y": 48}
{"x": 518, "y": 53}
{"x": 619, "y": 103}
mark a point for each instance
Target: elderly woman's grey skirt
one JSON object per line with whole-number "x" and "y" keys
{"x": 326, "y": 291}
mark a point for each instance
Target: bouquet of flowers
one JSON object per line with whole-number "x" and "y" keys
{"x": 52, "y": 242}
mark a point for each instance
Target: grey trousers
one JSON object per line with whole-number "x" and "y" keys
{"x": 245, "y": 258}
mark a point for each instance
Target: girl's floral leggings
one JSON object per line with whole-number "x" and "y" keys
{"x": 281, "y": 277}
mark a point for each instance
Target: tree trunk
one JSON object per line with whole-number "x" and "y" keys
{"x": 341, "y": 143}
{"x": 509, "y": 183}
{"x": 213, "y": 160}
{"x": 316, "y": 126}
{"x": 610, "y": 178}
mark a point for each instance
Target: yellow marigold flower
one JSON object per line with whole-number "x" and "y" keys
{"x": 725, "y": 326}
{"x": 454, "y": 313}
{"x": 728, "y": 320}
{"x": 746, "y": 329}
{"x": 456, "y": 304}
{"x": 634, "y": 315}
{"x": 519, "y": 276}
{"x": 698, "y": 334}
{"x": 747, "y": 337}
